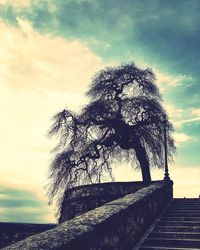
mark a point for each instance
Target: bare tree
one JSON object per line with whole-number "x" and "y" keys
{"x": 123, "y": 121}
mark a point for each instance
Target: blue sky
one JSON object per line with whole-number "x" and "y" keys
{"x": 49, "y": 51}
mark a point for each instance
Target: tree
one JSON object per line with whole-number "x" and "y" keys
{"x": 123, "y": 121}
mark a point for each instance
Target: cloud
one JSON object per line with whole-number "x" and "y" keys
{"x": 16, "y": 3}
{"x": 191, "y": 120}
{"x": 173, "y": 111}
{"x": 181, "y": 138}
{"x": 182, "y": 116}
{"x": 18, "y": 205}
{"x": 35, "y": 61}
{"x": 176, "y": 114}
{"x": 196, "y": 112}
{"x": 170, "y": 80}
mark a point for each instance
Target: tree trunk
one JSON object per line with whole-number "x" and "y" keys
{"x": 144, "y": 163}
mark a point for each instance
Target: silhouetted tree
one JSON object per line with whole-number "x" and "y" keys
{"x": 123, "y": 121}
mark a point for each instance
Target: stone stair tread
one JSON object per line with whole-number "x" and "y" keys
{"x": 172, "y": 242}
{"x": 173, "y": 239}
{"x": 193, "y": 222}
{"x": 186, "y": 204}
{"x": 180, "y": 227}
{"x": 189, "y": 211}
{"x": 146, "y": 247}
{"x": 181, "y": 215}
{"x": 178, "y": 215}
{"x": 183, "y": 211}
{"x": 186, "y": 199}
{"x": 180, "y": 204}
{"x": 173, "y": 228}
{"x": 178, "y": 223}
{"x": 189, "y": 219}
{"x": 181, "y": 233}
{"x": 186, "y": 209}
{"x": 175, "y": 235}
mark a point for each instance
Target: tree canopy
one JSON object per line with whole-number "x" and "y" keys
{"x": 123, "y": 121}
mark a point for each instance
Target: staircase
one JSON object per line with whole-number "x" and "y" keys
{"x": 177, "y": 228}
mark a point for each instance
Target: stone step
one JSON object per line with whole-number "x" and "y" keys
{"x": 185, "y": 203}
{"x": 187, "y": 206}
{"x": 186, "y": 199}
{"x": 183, "y": 211}
{"x": 181, "y": 214}
{"x": 176, "y": 229}
{"x": 196, "y": 203}
{"x": 196, "y": 219}
{"x": 179, "y": 223}
{"x": 175, "y": 235}
{"x": 169, "y": 242}
{"x": 184, "y": 208}
{"x": 165, "y": 248}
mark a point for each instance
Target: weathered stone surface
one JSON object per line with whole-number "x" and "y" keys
{"x": 81, "y": 199}
{"x": 115, "y": 225}
{"x": 11, "y": 233}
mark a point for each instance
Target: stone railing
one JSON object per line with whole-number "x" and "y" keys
{"x": 118, "y": 224}
{"x": 79, "y": 200}
{"x": 11, "y": 232}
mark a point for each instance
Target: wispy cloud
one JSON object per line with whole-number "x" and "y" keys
{"x": 176, "y": 114}
{"x": 171, "y": 80}
{"x": 182, "y": 116}
{"x": 22, "y": 206}
{"x": 196, "y": 112}
{"x": 32, "y": 60}
{"x": 181, "y": 138}
{"x": 191, "y": 120}
{"x": 16, "y": 3}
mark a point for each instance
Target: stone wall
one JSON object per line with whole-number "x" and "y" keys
{"x": 82, "y": 199}
{"x": 11, "y": 232}
{"x": 118, "y": 224}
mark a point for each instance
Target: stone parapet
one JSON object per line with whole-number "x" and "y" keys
{"x": 118, "y": 224}
{"x": 81, "y": 199}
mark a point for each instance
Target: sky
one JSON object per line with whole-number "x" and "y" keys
{"x": 49, "y": 51}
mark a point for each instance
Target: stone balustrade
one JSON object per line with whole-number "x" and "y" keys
{"x": 118, "y": 224}
{"x": 81, "y": 199}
